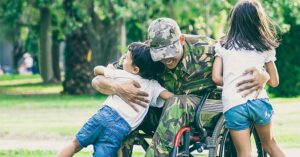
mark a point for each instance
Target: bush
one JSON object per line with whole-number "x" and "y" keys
{"x": 288, "y": 61}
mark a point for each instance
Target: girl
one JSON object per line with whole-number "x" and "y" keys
{"x": 250, "y": 42}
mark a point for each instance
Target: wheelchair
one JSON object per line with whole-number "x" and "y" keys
{"x": 208, "y": 132}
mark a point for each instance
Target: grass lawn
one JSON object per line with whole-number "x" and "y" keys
{"x": 31, "y": 111}
{"x": 39, "y": 153}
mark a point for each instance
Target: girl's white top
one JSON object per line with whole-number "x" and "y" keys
{"x": 235, "y": 62}
{"x": 152, "y": 87}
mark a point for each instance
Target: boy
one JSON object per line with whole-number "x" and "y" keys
{"x": 115, "y": 119}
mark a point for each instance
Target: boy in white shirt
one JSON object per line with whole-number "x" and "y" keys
{"x": 115, "y": 119}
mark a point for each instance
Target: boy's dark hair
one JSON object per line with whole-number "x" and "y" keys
{"x": 250, "y": 28}
{"x": 141, "y": 57}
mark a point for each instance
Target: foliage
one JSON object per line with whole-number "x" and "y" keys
{"x": 192, "y": 16}
{"x": 205, "y": 17}
{"x": 288, "y": 53}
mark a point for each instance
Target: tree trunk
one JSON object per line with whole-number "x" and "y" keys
{"x": 123, "y": 35}
{"x": 95, "y": 43}
{"x": 55, "y": 60}
{"x": 78, "y": 72}
{"x": 106, "y": 44}
{"x": 45, "y": 55}
{"x": 18, "y": 51}
{"x": 207, "y": 18}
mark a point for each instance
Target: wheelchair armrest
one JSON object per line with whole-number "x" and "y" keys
{"x": 197, "y": 121}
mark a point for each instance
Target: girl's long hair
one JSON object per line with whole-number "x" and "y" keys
{"x": 250, "y": 28}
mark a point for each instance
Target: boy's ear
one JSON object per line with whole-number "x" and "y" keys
{"x": 136, "y": 69}
{"x": 181, "y": 39}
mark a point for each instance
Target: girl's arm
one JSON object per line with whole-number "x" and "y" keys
{"x": 272, "y": 70}
{"x": 217, "y": 71}
{"x": 165, "y": 95}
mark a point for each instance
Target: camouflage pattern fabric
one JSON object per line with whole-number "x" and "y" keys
{"x": 191, "y": 76}
{"x": 178, "y": 112}
{"x": 164, "y": 39}
{"x": 193, "y": 73}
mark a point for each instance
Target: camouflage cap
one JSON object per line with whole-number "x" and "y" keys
{"x": 163, "y": 35}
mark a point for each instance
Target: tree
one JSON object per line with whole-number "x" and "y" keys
{"x": 36, "y": 17}
{"x": 45, "y": 56}
{"x": 95, "y": 39}
{"x": 92, "y": 30}
{"x": 288, "y": 53}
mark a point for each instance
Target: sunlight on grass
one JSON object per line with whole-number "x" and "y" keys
{"x": 27, "y": 85}
{"x": 36, "y": 153}
{"x": 41, "y": 153}
{"x": 50, "y": 101}
{"x": 19, "y": 79}
{"x": 33, "y": 111}
{"x": 286, "y": 126}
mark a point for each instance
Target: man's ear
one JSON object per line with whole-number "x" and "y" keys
{"x": 181, "y": 39}
{"x": 136, "y": 70}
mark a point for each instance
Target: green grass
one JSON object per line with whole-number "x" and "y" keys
{"x": 36, "y": 153}
{"x": 15, "y": 79}
{"x": 26, "y": 85}
{"x": 39, "y": 153}
{"x": 33, "y": 111}
{"x": 28, "y": 91}
{"x": 50, "y": 101}
{"x": 287, "y": 126}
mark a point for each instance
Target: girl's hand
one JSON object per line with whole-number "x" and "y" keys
{"x": 254, "y": 84}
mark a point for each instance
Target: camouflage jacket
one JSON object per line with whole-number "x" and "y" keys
{"x": 193, "y": 72}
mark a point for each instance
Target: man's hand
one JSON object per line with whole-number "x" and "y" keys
{"x": 131, "y": 94}
{"x": 254, "y": 84}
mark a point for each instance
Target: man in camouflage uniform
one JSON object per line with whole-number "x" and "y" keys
{"x": 189, "y": 65}
{"x": 188, "y": 59}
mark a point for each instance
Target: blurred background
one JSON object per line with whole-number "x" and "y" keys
{"x": 48, "y": 49}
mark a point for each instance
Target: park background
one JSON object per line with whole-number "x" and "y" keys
{"x": 44, "y": 102}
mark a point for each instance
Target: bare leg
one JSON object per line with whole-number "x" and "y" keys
{"x": 268, "y": 141}
{"x": 242, "y": 143}
{"x": 70, "y": 149}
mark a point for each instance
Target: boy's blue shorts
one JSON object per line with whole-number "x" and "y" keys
{"x": 258, "y": 112}
{"x": 105, "y": 130}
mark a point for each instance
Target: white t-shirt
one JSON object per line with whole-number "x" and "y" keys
{"x": 152, "y": 87}
{"x": 235, "y": 62}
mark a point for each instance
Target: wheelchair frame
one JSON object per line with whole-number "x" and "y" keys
{"x": 195, "y": 137}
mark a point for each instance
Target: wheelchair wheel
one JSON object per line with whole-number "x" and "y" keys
{"x": 222, "y": 144}
{"x": 126, "y": 151}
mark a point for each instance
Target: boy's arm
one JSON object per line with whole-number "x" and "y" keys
{"x": 272, "y": 70}
{"x": 165, "y": 94}
{"x": 99, "y": 70}
{"x": 217, "y": 71}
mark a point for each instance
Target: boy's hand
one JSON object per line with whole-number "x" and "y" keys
{"x": 110, "y": 66}
{"x": 99, "y": 70}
